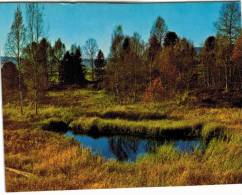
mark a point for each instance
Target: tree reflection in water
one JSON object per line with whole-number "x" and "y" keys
{"x": 123, "y": 147}
{"x": 127, "y": 148}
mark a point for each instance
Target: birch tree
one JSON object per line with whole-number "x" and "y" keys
{"x": 14, "y": 46}
{"x": 91, "y": 49}
{"x": 35, "y": 30}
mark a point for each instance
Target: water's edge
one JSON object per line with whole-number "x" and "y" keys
{"x": 128, "y": 148}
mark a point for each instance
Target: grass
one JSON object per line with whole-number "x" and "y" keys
{"x": 58, "y": 162}
{"x": 128, "y": 115}
{"x": 146, "y": 128}
{"x": 211, "y": 130}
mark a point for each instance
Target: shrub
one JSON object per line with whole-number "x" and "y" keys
{"x": 155, "y": 91}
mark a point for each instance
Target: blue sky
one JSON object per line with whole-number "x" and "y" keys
{"x": 77, "y": 22}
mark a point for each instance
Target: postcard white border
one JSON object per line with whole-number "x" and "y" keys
{"x": 231, "y": 189}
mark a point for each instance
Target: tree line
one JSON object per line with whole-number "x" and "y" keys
{"x": 168, "y": 64}
{"x": 41, "y": 66}
{"x": 134, "y": 70}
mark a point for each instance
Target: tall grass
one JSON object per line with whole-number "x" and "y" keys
{"x": 132, "y": 115}
{"x": 147, "y": 128}
{"x": 215, "y": 130}
{"x": 61, "y": 163}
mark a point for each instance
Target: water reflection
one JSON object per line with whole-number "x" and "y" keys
{"x": 126, "y": 148}
{"x": 123, "y": 148}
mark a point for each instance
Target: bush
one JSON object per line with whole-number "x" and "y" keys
{"x": 155, "y": 91}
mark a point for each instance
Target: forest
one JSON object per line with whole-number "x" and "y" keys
{"x": 134, "y": 70}
{"x": 160, "y": 88}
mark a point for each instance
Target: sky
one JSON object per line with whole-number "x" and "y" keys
{"x": 77, "y": 22}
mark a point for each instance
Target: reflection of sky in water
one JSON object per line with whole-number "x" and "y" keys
{"x": 128, "y": 148}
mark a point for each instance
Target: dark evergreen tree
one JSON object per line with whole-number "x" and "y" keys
{"x": 66, "y": 67}
{"x": 210, "y": 43}
{"x": 170, "y": 39}
{"x": 73, "y": 69}
{"x": 126, "y": 44}
{"x": 56, "y": 69}
{"x": 79, "y": 68}
{"x": 44, "y": 61}
{"x": 100, "y": 68}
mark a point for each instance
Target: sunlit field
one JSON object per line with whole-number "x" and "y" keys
{"x": 118, "y": 95}
{"x": 45, "y": 160}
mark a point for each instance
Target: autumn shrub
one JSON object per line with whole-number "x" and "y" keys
{"x": 155, "y": 91}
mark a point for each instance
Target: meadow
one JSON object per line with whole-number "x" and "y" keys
{"x": 38, "y": 156}
{"x": 164, "y": 91}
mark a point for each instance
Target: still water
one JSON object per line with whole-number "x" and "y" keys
{"x": 127, "y": 148}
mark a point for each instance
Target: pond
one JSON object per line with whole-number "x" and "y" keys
{"x": 127, "y": 148}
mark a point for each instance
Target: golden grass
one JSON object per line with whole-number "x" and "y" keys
{"x": 147, "y": 128}
{"x": 60, "y": 163}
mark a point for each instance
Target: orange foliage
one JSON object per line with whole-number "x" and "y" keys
{"x": 155, "y": 91}
{"x": 237, "y": 52}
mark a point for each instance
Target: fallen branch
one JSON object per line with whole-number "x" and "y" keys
{"x": 22, "y": 173}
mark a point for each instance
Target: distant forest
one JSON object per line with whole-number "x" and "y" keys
{"x": 135, "y": 70}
